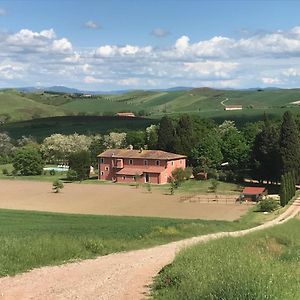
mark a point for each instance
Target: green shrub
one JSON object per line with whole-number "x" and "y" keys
{"x": 52, "y": 172}
{"x": 57, "y": 186}
{"x": 5, "y": 172}
{"x": 268, "y": 205}
{"x": 72, "y": 175}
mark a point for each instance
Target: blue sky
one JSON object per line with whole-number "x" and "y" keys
{"x": 103, "y": 45}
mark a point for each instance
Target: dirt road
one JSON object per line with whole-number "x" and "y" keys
{"x": 116, "y": 276}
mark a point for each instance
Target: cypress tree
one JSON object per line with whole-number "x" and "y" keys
{"x": 289, "y": 145}
{"x": 283, "y": 196}
{"x": 166, "y": 134}
{"x": 265, "y": 153}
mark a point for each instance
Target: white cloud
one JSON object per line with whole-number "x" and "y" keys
{"x": 2, "y": 12}
{"x": 160, "y": 32}
{"x": 272, "y": 58}
{"x": 92, "y": 25}
{"x": 271, "y": 80}
{"x": 211, "y": 68}
{"x": 91, "y": 79}
{"x": 129, "y": 81}
{"x": 62, "y": 45}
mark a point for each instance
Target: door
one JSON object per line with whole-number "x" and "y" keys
{"x": 147, "y": 177}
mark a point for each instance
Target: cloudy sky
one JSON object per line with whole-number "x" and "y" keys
{"x": 106, "y": 45}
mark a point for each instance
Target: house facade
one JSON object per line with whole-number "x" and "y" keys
{"x": 144, "y": 166}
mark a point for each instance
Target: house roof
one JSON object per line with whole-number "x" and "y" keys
{"x": 253, "y": 190}
{"x": 125, "y": 114}
{"x": 139, "y": 171}
{"x": 233, "y": 106}
{"x": 146, "y": 154}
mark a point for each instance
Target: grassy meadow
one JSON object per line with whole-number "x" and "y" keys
{"x": 41, "y": 114}
{"x": 262, "y": 265}
{"x": 34, "y": 239}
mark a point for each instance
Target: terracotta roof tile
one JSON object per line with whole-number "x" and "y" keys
{"x": 146, "y": 154}
{"x": 253, "y": 190}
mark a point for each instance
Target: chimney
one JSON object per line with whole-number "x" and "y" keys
{"x": 141, "y": 150}
{"x": 130, "y": 147}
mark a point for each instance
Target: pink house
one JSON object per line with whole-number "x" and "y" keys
{"x": 128, "y": 165}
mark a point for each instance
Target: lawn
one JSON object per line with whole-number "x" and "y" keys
{"x": 264, "y": 265}
{"x": 33, "y": 239}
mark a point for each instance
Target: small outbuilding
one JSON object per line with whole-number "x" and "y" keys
{"x": 253, "y": 193}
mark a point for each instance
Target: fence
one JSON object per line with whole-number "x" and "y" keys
{"x": 213, "y": 199}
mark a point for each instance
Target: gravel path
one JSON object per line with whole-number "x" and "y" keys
{"x": 115, "y": 276}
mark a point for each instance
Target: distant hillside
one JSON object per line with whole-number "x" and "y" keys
{"x": 206, "y": 102}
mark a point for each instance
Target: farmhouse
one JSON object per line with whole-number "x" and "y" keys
{"x": 144, "y": 166}
{"x": 125, "y": 114}
{"x": 233, "y": 107}
{"x": 253, "y": 193}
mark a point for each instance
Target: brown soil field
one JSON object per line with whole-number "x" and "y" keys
{"x": 110, "y": 200}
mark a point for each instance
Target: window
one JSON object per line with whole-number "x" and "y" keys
{"x": 181, "y": 162}
{"x": 131, "y": 161}
{"x": 158, "y": 162}
{"x": 106, "y": 168}
{"x": 102, "y": 160}
{"x": 172, "y": 163}
{"x": 102, "y": 173}
{"x": 124, "y": 177}
{"x": 145, "y": 162}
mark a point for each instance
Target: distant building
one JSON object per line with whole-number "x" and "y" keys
{"x": 144, "y": 166}
{"x": 125, "y": 114}
{"x": 87, "y": 95}
{"x": 233, "y": 107}
{"x": 253, "y": 193}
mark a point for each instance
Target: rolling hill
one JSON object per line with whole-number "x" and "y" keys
{"x": 17, "y": 106}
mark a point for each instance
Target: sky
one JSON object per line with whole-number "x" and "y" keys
{"x": 149, "y": 44}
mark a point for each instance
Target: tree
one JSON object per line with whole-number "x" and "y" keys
{"x": 114, "y": 140}
{"x": 58, "y": 147}
{"x": 214, "y": 185}
{"x": 57, "y": 185}
{"x": 95, "y": 148}
{"x": 152, "y": 136}
{"x": 283, "y": 194}
{"x": 207, "y": 154}
{"x": 136, "y": 139}
{"x": 28, "y": 161}
{"x": 179, "y": 175}
{"x": 234, "y": 147}
{"x": 185, "y": 138}
{"x": 166, "y": 134}
{"x": 289, "y": 144}
{"x": 80, "y": 162}
{"x": 265, "y": 154}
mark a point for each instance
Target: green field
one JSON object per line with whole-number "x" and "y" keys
{"x": 41, "y": 114}
{"x": 41, "y": 128}
{"x": 33, "y": 239}
{"x": 264, "y": 265}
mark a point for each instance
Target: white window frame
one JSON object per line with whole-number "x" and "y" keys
{"x": 146, "y": 162}
{"x": 106, "y": 168}
{"x": 102, "y": 173}
{"x": 130, "y": 161}
{"x": 124, "y": 177}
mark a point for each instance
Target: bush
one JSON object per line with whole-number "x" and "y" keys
{"x": 57, "y": 186}
{"x": 52, "y": 172}
{"x": 72, "y": 175}
{"x": 5, "y": 172}
{"x": 28, "y": 161}
{"x": 268, "y": 205}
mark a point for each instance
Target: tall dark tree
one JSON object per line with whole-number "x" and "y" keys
{"x": 185, "y": 139}
{"x": 289, "y": 146}
{"x": 265, "y": 153}
{"x": 166, "y": 134}
{"x": 80, "y": 163}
